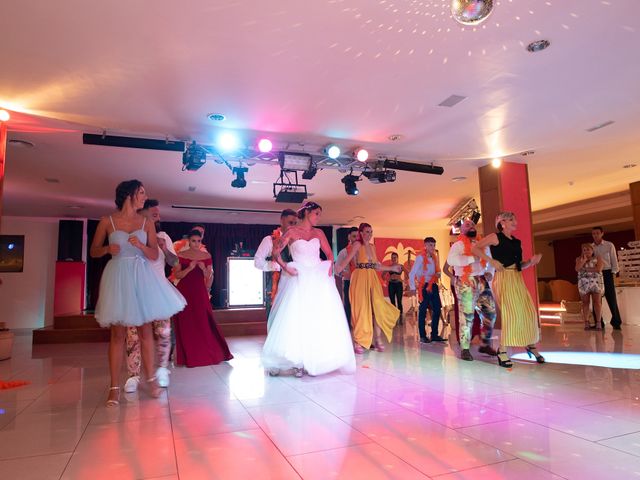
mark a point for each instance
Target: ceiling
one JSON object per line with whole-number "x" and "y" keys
{"x": 306, "y": 73}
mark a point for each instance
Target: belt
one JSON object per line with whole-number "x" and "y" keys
{"x": 366, "y": 265}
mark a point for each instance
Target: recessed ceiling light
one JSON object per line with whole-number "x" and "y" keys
{"x": 191, "y": 189}
{"x": 458, "y": 179}
{"x": 602, "y": 125}
{"x": 538, "y": 46}
{"x": 14, "y": 142}
{"x": 217, "y": 117}
{"x": 52, "y": 180}
{"x": 629, "y": 165}
{"x": 526, "y": 153}
{"x": 395, "y": 137}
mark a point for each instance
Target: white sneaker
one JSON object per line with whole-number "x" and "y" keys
{"x": 131, "y": 385}
{"x": 162, "y": 376}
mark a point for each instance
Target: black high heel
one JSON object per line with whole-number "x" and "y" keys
{"x": 533, "y": 351}
{"x": 504, "y": 363}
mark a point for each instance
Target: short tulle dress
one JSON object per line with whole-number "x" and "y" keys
{"x": 308, "y": 325}
{"x": 132, "y": 292}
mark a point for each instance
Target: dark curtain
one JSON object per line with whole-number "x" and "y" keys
{"x": 219, "y": 238}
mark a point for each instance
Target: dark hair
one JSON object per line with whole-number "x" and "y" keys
{"x": 429, "y": 240}
{"x": 198, "y": 225}
{"x": 150, "y": 203}
{"x": 287, "y": 212}
{"x": 394, "y": 253}
{"x": 194, "y": 233}
{"x": 598, "y": 228}
{"x": 307, "y": 206}
{"x": 351, "y": 230}
{"x": 126, "y": 189}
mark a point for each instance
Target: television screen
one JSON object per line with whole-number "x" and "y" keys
{"x": 11, "y": 253}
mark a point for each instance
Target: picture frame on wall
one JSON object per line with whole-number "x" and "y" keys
{"x": 11, "y": 253}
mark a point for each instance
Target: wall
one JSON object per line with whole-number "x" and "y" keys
{"x": 568, "y": 249}
{"x": 547, "y": 266}
{"x": 26, "y": 298}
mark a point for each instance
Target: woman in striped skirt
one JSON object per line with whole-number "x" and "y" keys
{"x": 520, "y": 327}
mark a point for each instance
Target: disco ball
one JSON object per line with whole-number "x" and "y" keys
{"x": 471, "y": 12}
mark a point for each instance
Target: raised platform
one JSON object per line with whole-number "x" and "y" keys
{"x": 82, "y": 327}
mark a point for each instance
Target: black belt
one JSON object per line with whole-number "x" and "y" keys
{"x": 366, "y": 265}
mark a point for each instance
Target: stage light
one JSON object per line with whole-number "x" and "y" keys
{"x": 239, "y": 181}
{"x": 294, "y": 161}
{"x": 381, "y": 176}
{"x": 4, "y": 116}
{"x": 265, "y": 145}
{"x": 496, "y": 162}
{"x": 413, "y": 167}
{"x": 332, "y": 151}
{"x": 310, "y": 172}
{"x": 194, "y": 157}
{"x": 228, "y": 142}
{"x": 350, "y": 184}
{"x": 361, "y": 154}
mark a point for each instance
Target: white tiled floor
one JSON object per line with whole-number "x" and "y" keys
{"x": 410, "y": 412}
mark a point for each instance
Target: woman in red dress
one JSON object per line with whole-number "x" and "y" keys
{"x": 199, "y": 341}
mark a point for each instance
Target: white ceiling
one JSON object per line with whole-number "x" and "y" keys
{"x": 353, "y": 71}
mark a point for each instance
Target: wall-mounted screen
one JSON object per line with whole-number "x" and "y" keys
{"x": 245, "y": 283}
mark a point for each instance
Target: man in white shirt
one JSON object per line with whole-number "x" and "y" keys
{"x": 473, "y": 289}
{"x": 161, "y": 328}
{"x": 607, "y": 252}
{"x": 426, "y": 269}
{"x": 263, "y": 259}
{"x": 352, "y": 236}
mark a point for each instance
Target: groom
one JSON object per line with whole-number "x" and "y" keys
{"x": 263, "y": 259}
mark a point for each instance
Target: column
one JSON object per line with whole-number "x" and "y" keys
{"x": 634, "y": 190}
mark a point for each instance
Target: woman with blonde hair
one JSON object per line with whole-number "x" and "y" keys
{"x": 590, "y": 283}
{"x": 520, "y": 326}
{"x": 370, "y": 311}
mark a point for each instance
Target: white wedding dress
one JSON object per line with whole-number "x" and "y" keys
{"x": 308, "y": 326}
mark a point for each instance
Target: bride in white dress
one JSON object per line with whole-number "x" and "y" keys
{"x": 309, "y": 331}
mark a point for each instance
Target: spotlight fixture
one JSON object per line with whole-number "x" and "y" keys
{"x": 538, "y": 46}
{"x": 294, "y": 161}
{"x": 194, "y": 157}
{"x": 287, "y": 189}
{"x": 496, "y": 162}
{"x": 239, "y": 181}
{"x": 332, "y": 151}
{"x": 228, "y": 142}
{"x": 310, "y": 172}
{"x": 265, "y": 145}
{"x": 350, "y": 184}
{"x": 381, "y": 176}
{"x": 4, "y": 116}
{"x": 361, "y": 154}
{"x": 413, "y": 167}
{"x": 217, "y": 117}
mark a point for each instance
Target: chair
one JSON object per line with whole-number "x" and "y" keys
{"x": 563, "y": 290}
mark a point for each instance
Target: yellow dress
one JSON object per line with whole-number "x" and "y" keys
{"x": 368, "y": 304}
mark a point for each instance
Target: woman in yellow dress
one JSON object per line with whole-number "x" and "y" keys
{"x": 370, "y": 312}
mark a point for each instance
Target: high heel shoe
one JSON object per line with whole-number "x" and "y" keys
{"x": 504, "y": 360}
{"x": 298, "y": 372}
{"x": 358, "y": 349}
{"x": 378, "y": 346}
{"x": 533, "y": 351}
{"x": 112, "y": 402}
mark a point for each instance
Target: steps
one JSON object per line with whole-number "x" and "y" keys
{"x": 83, "y": 328}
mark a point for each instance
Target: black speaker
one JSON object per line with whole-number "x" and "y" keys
{"x": 70, "y": 233}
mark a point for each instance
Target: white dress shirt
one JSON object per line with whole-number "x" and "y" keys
{"x": 346, "y": 273}
{"x": 260, "y": 258}
{"x": 420, "y": 270}
{"x": 607, "y": 252}
{"x": 459, "y": 260}
{"x": 158, "y": 263}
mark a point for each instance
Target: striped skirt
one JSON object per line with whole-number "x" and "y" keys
{"x": 518, "y": 313}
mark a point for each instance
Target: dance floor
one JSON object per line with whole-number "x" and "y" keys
{"x": 410, "y": 412}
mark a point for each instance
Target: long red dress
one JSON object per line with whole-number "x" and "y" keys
{"x": 199, "y": 341}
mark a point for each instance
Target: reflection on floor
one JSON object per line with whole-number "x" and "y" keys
{"x": 410, "y": 412}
